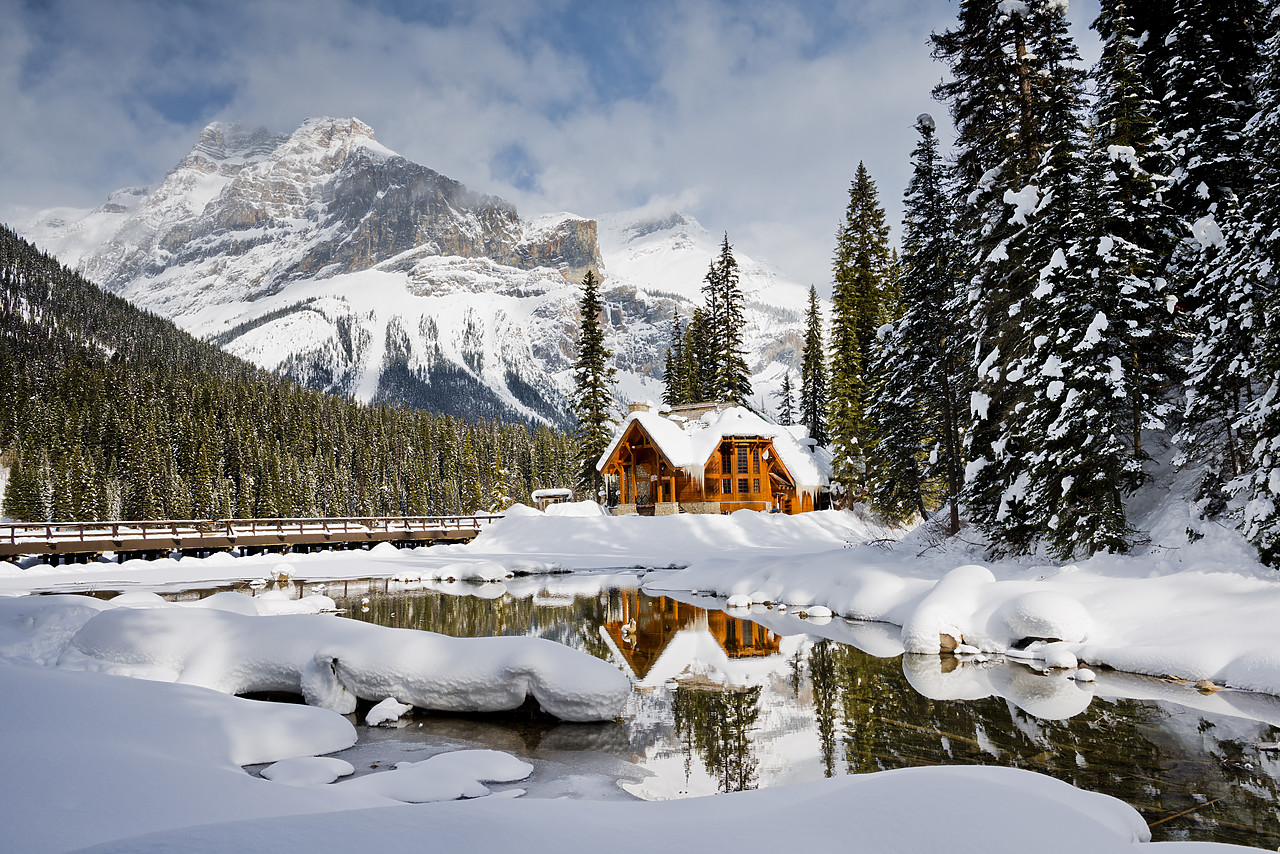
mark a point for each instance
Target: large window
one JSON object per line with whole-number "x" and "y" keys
{"x": 742, "y": 460}
{"x": 728, "y": 486}
{"x": 726, "y": 460}
{"x": 743, "y": 484}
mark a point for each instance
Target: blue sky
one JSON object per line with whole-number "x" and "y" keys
{"x": 752, "y": 116}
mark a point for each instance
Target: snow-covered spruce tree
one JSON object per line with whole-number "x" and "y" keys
{"x": 1246, "y": 271}
{"x": 700, "y": 368}
{"x": 1208, "y": 57}
{"x": 1097, "y": 318}
{"x": 997, "y": 99}
{"x": 786, "y": 401}
{"x": 675, "y": 381}
{"x": 732, "y": 379}
{"x": 920, "y": 408}
{"x": 1217, "y": 175}
{"x": 1133, "y": 230}
{"x": 860, "y": 296}
{"x": 593, "y": 404}
{"x": 813, "y": 373}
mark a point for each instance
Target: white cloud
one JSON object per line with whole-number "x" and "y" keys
{"x": 754, "y": 115}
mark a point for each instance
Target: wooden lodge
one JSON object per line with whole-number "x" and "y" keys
{"x": 712, "y": 458}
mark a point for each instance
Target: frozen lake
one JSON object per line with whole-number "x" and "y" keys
{"x": 739, "y": 699}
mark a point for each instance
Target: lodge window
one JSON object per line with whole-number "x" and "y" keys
{"x": 728, "y": 486}
{"x": 755, "y": 463}
{"x": 726, "y": 461}
{"x": 755, "y": 484}
{"x": 742, "y": 461}
{"x": 742, "y": 484}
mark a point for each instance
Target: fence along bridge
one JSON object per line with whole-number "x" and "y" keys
{"x": 81, "y": 541}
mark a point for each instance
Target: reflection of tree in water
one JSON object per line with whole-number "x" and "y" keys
{"x": 717, "y": 722}
{"x": 575, "y": 623}
{"x": 1129, "y": 749}
{"x": 825, "y": 693}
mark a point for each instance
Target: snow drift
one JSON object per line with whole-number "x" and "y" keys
{"x": 332, "y": 662}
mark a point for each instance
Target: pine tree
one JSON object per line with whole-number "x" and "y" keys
{"x": 675, "y": 369}
{"x": 593, "y": 393}
{"x": 701, "y": 368}
{"x": 786, "y": 401}
{"x": 813, "y": 373}
{"x": 919, "y": 412}
{"x": 1238, "y": 353}
{"x": 1208, "y": 57}
{"x": 859, "y": 308}
{"x": 734, "y": 379}
{"x": 1014, "y": 97}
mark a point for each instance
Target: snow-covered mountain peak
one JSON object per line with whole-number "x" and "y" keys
{"x": 232, "y": 141}
{"x": 324, "y": 256}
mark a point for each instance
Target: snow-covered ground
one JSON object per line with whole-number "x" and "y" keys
{"x": 141, "y": 765}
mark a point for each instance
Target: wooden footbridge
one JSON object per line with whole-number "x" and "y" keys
{"x": 82, "y": 541}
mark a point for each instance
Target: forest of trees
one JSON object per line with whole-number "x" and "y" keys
{"x": 108, "y": 412}
{"x": 1086, "y": 282}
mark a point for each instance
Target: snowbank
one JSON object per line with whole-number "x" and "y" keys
{"x": 152, "y": 767}
{"x": 329, "y": 660}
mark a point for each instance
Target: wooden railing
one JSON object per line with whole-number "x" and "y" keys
{"x": 26, "y": 538}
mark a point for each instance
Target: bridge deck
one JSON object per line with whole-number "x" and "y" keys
{"x": 73, "y": 539}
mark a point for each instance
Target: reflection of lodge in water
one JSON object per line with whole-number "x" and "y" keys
{"x": 642, "y": 629}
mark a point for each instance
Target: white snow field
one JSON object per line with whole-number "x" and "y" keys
{"x": 104, "y": 763}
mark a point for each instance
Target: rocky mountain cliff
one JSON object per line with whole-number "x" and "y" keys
{"x": 327, "y": 257}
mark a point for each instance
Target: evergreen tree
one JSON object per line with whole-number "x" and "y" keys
{"x": 733, "y": 382}
{"x": 675, "y": 369}
{"x": 813, "y": 373}
{"x": 701, "y": 366}
{"x": 1237, "y": 356}
{"x": 593, "y": 393}
{"x": 1206, "y": 60}
{"x": 786, "y": 401}
{"x": 859, "y": 300}
{"x": 919, "y": 412}
{"x": 1015, "y": 99}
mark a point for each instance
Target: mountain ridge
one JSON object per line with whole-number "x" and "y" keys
{"x": 327, "y": 257}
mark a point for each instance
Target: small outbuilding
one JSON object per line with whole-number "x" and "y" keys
{"x": 713, "y": 458}
{"x": 544, "y": 498}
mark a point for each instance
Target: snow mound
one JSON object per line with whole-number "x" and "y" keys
{"x": 946, "y": 609}
{"x": 474, "y": 570}
{"x": 445, "y": 777}
{"x": 308, "y": 770}
{"x": 388, "y": 711}
{"x": 576, "y": 508}
{"x": 1044, "y": 615}
{"x": 329, "y": 660}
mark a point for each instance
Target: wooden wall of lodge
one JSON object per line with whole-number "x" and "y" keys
{"x": 640, "y": 458}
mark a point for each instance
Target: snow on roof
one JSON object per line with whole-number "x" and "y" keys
{"x": 687, "y": 443}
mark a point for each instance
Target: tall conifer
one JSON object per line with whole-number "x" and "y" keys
{"x": 593, "y": 403}
{"x": 813, "y": 373}
{"x": 859, "y": 299}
